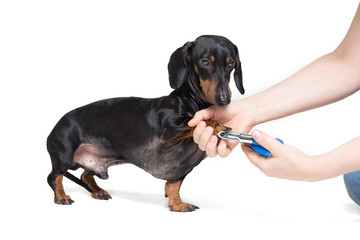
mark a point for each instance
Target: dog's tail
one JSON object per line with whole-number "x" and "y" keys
{"x": 78, "y": 181}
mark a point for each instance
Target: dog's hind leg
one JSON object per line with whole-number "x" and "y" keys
{"x": 97, "y": 192}
{"x": 61, "y": 161}
{"x": 55, "y": 182}
{"x": 172, "y": 189}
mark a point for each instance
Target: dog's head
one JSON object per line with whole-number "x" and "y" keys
{"x": 211, "y": 59}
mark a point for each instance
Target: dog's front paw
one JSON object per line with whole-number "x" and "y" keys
{"x": 182, "y": 207}
{"x": 101, "y": 194}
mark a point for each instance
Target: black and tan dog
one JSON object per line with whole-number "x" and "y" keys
{"x": 150, "y": 133}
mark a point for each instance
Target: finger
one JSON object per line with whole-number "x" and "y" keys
{"x": 267, "y": 141}
{"x": 254, "y": 158}
{"x": 211, "y": 150}
{"x": 198, "y": 131}
{"x": 202, "y": 115}
{"x": 205, "y": 138}
{"x": 223, "y": 149}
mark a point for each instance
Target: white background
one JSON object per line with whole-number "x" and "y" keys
{"x": 58, "y": 55}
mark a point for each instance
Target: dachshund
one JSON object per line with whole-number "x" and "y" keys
{"x": 150, "y": 133}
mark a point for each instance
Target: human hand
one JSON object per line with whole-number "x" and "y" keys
{"x": 236, "y": 115}
{"x": 284, "y": 162}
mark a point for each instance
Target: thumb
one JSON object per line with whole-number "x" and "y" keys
{"x": 202, "y": 115}
{"x": 267, "y": 141}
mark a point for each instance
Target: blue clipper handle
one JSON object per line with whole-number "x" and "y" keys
{"x": 260, "y": 149}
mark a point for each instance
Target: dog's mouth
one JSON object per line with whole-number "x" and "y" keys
{"x": 220, "y": 98}
{"x": 216, "y": 94}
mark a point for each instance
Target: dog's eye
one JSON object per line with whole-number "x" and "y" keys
{"x": 204, "y": 62}
{"x": 231, "y": 64}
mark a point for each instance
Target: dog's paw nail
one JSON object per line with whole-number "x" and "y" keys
{"x": 171, "y": 207}
{"x": 189, "y": 209}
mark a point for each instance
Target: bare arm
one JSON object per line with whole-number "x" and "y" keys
{"x": 328, "y": 79}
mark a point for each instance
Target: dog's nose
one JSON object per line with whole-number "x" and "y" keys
{"x": 222, "y": 99}
{"x": 223, "y": 95}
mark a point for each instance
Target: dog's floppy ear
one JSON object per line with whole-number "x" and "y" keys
{"x": 238, "y": 72}
{"x": 178, "y": 65}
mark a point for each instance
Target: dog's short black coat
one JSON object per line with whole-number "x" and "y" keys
{"x": 149, "y": 133}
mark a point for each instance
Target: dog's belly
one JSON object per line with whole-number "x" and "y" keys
{"x": 96, "y": 158}
{"x": 163, "y": 162}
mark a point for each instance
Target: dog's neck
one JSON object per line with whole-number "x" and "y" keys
{"x": 191, "y": 91}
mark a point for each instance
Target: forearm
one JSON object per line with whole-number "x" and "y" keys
{"x": 326, "y": 80}
{"x": 341, "y": 160}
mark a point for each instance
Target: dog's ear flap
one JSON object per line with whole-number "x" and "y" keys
{"x": 178, "y": 65}
{"x": 238, "y": 72}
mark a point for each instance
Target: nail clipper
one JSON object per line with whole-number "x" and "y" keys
{"x": 245, "y": 138}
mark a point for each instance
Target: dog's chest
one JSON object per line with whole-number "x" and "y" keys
{"x": 168, "y": 162}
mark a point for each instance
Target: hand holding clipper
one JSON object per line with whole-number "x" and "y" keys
{"x": 245, "y": 138}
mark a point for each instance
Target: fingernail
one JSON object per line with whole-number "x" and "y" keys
{"x": 255, "y": 133}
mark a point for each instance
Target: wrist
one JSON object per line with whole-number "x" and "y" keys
{"x": 318, "y": 168}
{"x": 245, "y": 114}
{"x": 252, "y": 111}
